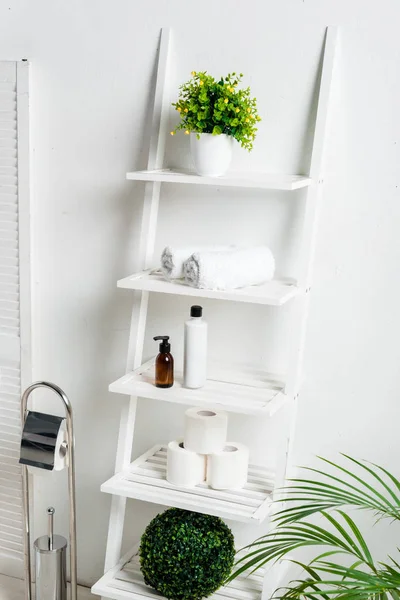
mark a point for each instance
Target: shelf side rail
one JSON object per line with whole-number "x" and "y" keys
{"x": 140, "y": 299}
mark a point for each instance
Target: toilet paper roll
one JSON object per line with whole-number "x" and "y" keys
{"x": 61, "y": 451}
{"x": 184, "y": 468}
{"x": 228, "y": 468}
{"x": 44, "y": 442}
{"x": 205, "y": 430}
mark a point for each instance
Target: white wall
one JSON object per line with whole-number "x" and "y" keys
{"x": 92, "y": 68}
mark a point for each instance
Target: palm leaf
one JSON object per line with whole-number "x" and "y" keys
{"x": 288, "y": 539}
{"x": 319, "y": 495}
{"x": 392, "y": 478}
{"x": 374, "y": 474}
{"x": 314, "y": 578}
{"x": 352, "y": 582}
{"x": 361, "y": 579}
{"x": 357, "y": 533}
{"x": 373, "y": 500}
{"x": 359, "y": 480}
{"x": 331, "y": 553}
{"x": 345, "y": 535}
{"x": 316, "y": 496}
{"x": 396, "y": 564}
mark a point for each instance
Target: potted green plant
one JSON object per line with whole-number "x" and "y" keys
{"x": 214, "y": 114}
{"x": 343, "y": 566}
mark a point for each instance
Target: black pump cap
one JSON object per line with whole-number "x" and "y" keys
{"x": 196, "y": 311}
{"x": 164, "y": 346}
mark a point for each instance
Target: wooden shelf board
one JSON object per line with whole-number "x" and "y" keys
{"x": 125, "y": 582}
{"x": 243, "y": 390}
{"x": 268, "y": 181}
{"x": 274, "y": 293}
{"x": 146, "y": 480}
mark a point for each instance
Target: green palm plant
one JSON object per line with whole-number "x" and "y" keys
{"x": 343, "y": 567}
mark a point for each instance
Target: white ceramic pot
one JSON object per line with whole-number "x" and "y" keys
{"x": 211, "y": 154}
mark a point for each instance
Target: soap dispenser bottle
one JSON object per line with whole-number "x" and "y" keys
{"x": 164, "y": 364}
{"x": 195, "y": 350}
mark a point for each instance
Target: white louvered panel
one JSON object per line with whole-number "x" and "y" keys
{"x": 13, "y": 146}
{"x": 8, "y": 101}
{"x": 6, "y": 466}
{"x": 7, "y": 129}
{"x": 8, "y": 453}
{"x": 11, "y": 438}
{"x": 9, "y": 221}
{"x": 8, "y": 157}
{"x": 10, "y": 431}
{"x": 9, "y": 271}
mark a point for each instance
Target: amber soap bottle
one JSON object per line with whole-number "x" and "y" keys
{"x": 164, "y": 364}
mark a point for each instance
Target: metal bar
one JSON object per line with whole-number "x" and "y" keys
{"x": 71, "y": 488}
{"x": 27, "y": 533}
{"x": 50, "y": 512}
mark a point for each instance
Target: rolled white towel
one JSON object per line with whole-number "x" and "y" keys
{"x": 229, "y": 269}
{"x": 172, "y": 259}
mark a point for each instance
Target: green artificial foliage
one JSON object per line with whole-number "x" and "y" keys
{"x": 186, "y": 555}
{"x": 343, "y": 567}
{"x": 206, "y": 105}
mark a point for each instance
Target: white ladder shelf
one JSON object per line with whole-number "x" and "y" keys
{"x": 247, "y": 391}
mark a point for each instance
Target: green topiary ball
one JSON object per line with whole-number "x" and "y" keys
{"x": 186, "y": 555}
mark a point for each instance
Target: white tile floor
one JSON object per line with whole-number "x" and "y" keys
{"x": 13, "y": 589}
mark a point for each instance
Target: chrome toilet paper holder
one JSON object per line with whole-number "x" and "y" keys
{"x": 70, "y": 449}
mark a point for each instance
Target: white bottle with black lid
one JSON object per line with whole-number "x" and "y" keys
{"x": 195, "y": 350}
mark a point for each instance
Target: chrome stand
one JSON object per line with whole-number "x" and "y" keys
{"x": 71, "y": 489}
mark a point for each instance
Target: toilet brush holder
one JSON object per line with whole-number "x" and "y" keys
{"x": 51, "y": 564}
{"x": 48, "y": 443}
